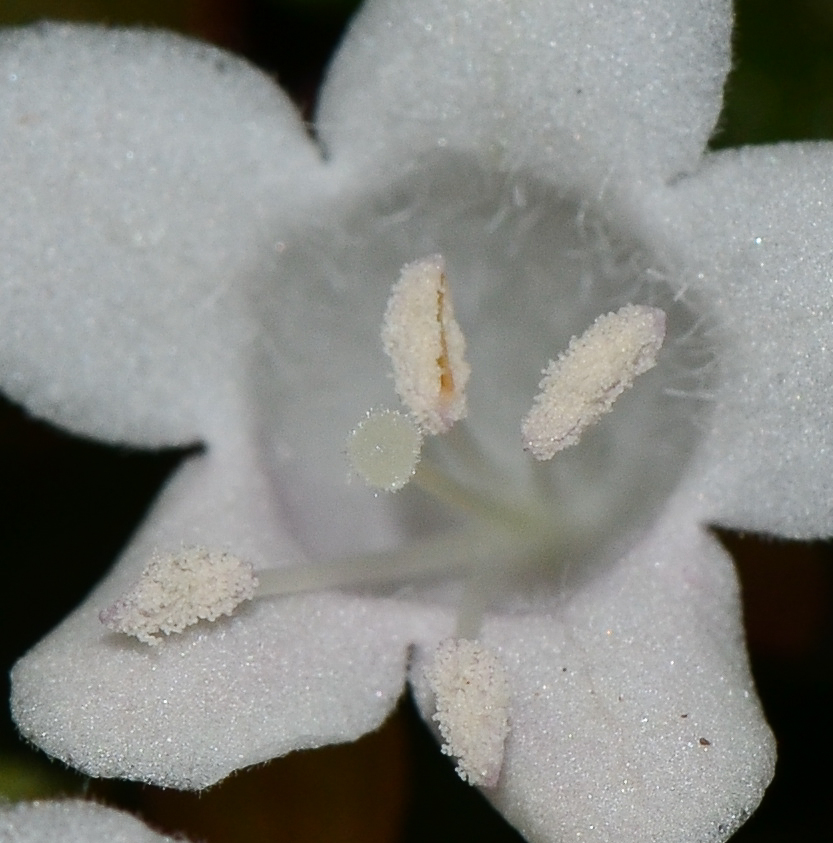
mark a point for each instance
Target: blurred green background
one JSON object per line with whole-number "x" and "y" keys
{"x": 68, "y": 505}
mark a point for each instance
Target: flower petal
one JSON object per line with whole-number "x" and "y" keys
{"x": 73, "y": 821}
{"x": 281, "y": 674}
{"x": 633, "y": 715}
{"x": 140, "y": 196}
{"x": 756, "y": 223}
{"x": 583, "y": 91}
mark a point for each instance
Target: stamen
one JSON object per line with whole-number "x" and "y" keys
{"x": 178, "y": 590}
{"x": 472, "y": 698}
{"x": 583, "y": 384}
{"x": 426, "y": 346}
{"x": 384, "y": 449}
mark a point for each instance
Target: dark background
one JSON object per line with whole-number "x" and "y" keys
{"x": 67, "y": 506}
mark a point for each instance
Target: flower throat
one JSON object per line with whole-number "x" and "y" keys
{"x": 426, "y": 347}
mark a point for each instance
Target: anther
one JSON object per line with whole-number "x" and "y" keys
{"x": 471, "y": 690}
{"x": 426, "y": 346}
{"x": 582, "y": 385}
{"x": 177, "y": 590}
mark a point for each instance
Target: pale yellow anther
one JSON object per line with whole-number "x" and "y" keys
{"x": 426, "y": 346}
{"x": 583, "y": 383}
{"x": 177, "y": 590}
{"x": 471, "y": 691}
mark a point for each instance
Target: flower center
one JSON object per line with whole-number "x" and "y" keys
{"x": 507, "y": 533}
{"x": 427, "y": 351}
{"x": 529, "y": 268}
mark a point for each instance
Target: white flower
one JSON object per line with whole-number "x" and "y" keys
{"x": 182, "y": 263}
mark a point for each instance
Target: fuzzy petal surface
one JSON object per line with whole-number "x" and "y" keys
{"x": 281, "y": 674}
{"x": 142, "y": 208}
{"x": 73, "y": 822}
{"x": 756, "y": 223}
{"x": 553, "y": 86}
{"x": 633, "y": 715}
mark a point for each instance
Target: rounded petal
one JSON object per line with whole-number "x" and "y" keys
{"x": 144, "y": 175}
{"x": 587, "y": 92}
{"x": 73, "y": 821}
{"x": 281, "y": 674}
{"x": 633, "y": 715}
{"x": 756, "y": 225}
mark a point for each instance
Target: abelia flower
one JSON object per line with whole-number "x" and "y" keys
{"x": 183, "y": 263}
